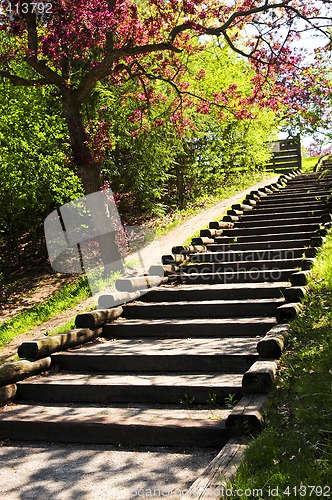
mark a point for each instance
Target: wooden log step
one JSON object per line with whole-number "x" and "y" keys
{"x": 186, "y": 249}
{"x": 300, "y": 278}
{"x": 260, "y": 378}
{"x": 139, "y": 283}
{"x": 251, "y": 276}
{"x": 45, "y": 346}
{"x": 275, "y": 236}
{"x": 156, "y": 355}
{"x": 292, "y": 192}
{"x": 301, "y": 191}
{"x": 295, "y": 293}
{"x": 270, "y": 229}
{"x": 202, "y": 309}
{"x": 247, "y": 416}
{"x": 274, "y": 342}
{"x": 18, "y": 370}
{"x": 134, "y": 425}
{"x": 131, "y": 388}
{"x": 110, "y": 300}
{"x": 8, "y": 393}
{"x": 290, "y": 200}
{"x": 241, "y": 265}
{"x": 193, "y": 328}
{"x": 247, "y": 255}
{"x": 290, "y": 207}
{"x": 259, "y": 245}
{"x": 214, "y": 481}
{"x": 254, "y": 216}
{"x": 221, "y": 224}
{"x": 215, "y": 292}
{"x": 288, "y": 312}
{"x": 97, "y": 318}
{"x": 269, "y": 222}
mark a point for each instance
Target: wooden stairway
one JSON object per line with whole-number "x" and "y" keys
{"x": 168, "y": 370}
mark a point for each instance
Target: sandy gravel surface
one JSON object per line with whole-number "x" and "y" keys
{"x": 90, "y": 472}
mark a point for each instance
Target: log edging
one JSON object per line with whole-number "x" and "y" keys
{"x": 213, "y": 481}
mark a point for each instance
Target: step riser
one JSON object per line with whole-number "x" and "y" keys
{"x": 263, "y": 237}
{"x": 197, "y": 311}
{"x": 68, "y": 432}
{"x": 237, "y": 294}
{"x": 123, "y": 394}
{"x": 184, "y": 331}
{"x": 241, "y": 266}
{"x": 266, "y": 246}
{"x": 166, "y": 363}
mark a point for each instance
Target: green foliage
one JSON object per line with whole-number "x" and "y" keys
{"x": 153, "y": 165}
{"x": 33, "y": 145}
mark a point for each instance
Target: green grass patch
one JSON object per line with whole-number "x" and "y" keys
{"x": 66, "y": 298}
{"x": 308, "y": 164}
{"x": 294, "y": 452}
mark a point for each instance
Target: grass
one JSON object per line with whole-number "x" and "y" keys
{"x": 308, "y": 164}
{"x": 66, "y": 298}
{"x": 294, "y": 452}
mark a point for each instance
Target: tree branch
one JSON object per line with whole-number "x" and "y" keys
{"x": 17, "y": 80}
{"x": 221, "y": 29}
{"x": 104, "y": 68}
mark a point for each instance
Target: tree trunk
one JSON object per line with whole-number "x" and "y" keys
{"x": 83, "y": 160}
{"x": 88, "y": 171}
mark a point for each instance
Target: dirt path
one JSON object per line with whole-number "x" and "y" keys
{"x": 176, "y": 236}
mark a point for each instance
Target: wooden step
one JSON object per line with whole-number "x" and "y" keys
{"x": 259, "y": 245}
{"x": 241, "y": 265}
{"x": 254, "y": 216}
{"x": 119, "y": 425}
{"x": 193, "y": 328}
{"x": 248, "y": 255}
{"x": 130, "y": 388}
{"x": 301, "y": 234}
{"x": 156, "y": 355}
{"x": 266, "y": 230}
{"x": 252, "y": 276}
{"x": 288, "y": 207}
{"x": 202, "y": 309}
{"x": 269, "y": 222}
{"x": 214, "y": 292}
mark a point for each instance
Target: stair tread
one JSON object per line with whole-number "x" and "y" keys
{"x": 133, "y": 379}
{"x": 193, "y": 321}
{"x": 203, "y": 302}
{"x": 222, "y": 286}
{"x": 119, "y": 415}
{"x": 166, "y": 347}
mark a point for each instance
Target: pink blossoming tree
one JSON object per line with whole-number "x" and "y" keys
{"x": 72, "y": 45}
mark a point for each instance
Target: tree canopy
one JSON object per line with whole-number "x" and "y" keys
{"x": 71, "y": 45}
